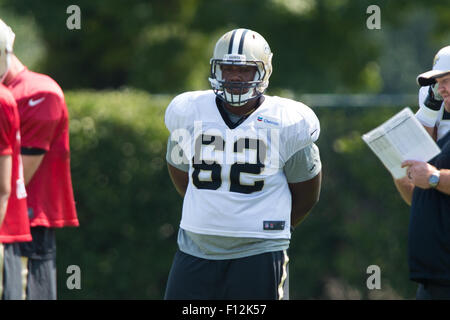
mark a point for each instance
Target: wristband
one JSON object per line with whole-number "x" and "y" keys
{"x": 427, "y": 117}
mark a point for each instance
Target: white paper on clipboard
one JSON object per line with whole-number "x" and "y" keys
{"x": 401, "y": 138}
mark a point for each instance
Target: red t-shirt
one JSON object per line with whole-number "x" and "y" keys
{"x": 15, "y": 226}
{"x": 44, "y": 124}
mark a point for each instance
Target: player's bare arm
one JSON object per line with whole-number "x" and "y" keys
{"x": 180, "y": 179}
{"x": 30, "y": 165}
{"x": 304, "y": 196}
{"x": 5, "y": 184}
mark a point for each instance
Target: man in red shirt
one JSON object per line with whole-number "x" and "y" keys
{"x": 12, "y": 184}
{"x": 14, "y": 225}
{"x": 44, "y": 126}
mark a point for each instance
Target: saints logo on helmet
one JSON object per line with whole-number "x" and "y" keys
{"x": 241, "y": 47}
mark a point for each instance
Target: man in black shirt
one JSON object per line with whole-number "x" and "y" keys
{"x": 426, "y": 188}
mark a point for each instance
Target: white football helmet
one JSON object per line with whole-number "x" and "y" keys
{"x": 6, "y": 47}
{"x": 245, "y": 48}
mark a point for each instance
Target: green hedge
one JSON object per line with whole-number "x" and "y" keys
{"x": 127, "y": 207}
{"x": 129, "y": 211}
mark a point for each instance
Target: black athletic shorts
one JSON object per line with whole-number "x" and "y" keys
{"x": 258, "y": 277}
{"x": 43, "y": 245}
{"x": 40, "y": 257}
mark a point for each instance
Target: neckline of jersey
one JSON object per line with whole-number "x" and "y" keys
{"x": 230, "y": 124}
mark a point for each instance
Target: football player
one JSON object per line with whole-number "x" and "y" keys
{"x": 44, "y": 126}
{"x": 249, "y": 170}
{"x": 432, "y": 113}
{"x": 14, "y": 224}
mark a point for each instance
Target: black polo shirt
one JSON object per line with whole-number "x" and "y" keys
{"x": 429, "y": 228}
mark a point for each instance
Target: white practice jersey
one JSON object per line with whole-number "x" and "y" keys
{"x": 237, "y": 187}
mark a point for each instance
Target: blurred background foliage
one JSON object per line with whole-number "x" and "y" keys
{"x": 129, "y": 58}
{"x": 165, "y": 46}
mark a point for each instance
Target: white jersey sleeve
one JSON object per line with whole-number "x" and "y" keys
{"x": 180, "y": 119}
{"x": 303, "y": 165}
{"x": 177, "y": 113}
{"x": 301, "y": 128}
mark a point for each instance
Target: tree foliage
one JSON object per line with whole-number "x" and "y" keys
{"x": 165, "y": 46}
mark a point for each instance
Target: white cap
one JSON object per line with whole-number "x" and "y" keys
{"x": 441, "y": 66}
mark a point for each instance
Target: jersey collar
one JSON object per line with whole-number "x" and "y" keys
{"x": 226, "y": 118}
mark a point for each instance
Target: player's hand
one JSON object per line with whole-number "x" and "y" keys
{"x": 418, "y": 172}
{"x": 433, "y": 99}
